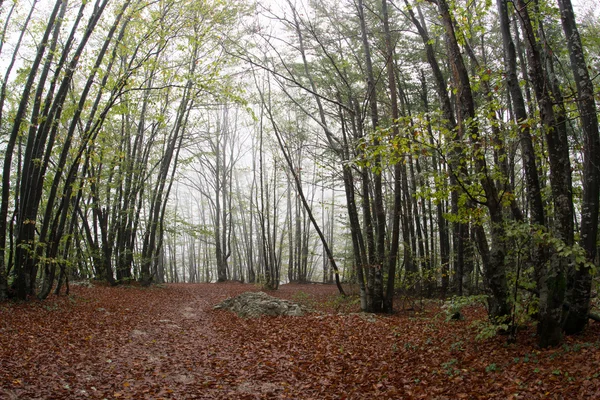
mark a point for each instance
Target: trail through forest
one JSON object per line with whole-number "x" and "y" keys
{"x": 168, "y": 342}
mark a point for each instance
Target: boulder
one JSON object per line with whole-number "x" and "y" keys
{"x": 255, "y": 304}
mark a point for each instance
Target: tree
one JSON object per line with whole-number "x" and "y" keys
{"x": 10, "y": 146}
{"x": 40, "y": 142}
{"x": 553, "y": 279}
{"x": 579, "y": 278}
{"x": 217, "y": 154}
{"x": 81, "y": 89}
{"x": 389, "y": 297}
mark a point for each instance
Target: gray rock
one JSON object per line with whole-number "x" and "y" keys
{"x": 255, "y": 304}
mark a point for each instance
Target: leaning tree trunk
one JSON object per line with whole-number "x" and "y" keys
{"x": 40, "y": 143}
{"x": 53, "y": 224}
{"x": 300, "y": 192}
{"x": 18, "y": 120}
{"x": 344, "y": 154}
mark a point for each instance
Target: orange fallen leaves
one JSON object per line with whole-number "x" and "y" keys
{"x": 168, "y": 343}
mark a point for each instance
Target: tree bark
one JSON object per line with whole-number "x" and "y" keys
{"x": 393, "y": 255}
{"x": 553, "y": 280}
{"x": 579, "y": 278}
{"x": 495, "y": 269}
{"x": 375, "y": 273}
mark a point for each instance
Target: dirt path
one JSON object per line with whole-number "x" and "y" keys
{"x": 177, "y": 353}
{"x": 115, "y": 343}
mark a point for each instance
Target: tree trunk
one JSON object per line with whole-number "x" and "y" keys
{"x": 495, "y": 269}
{"x": 375, "y": 272}
{"x": 553, "y": 280}
{"x": 579, "y": 278}
{"x": 393, "y": 256}
{"x": 12, "y": 140}
{"x": 460, "y": 229}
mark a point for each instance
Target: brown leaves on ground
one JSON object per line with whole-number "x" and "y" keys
{"x": 167, "y": 342}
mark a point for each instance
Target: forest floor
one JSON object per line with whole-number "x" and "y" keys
{"x": 168, "y": 342}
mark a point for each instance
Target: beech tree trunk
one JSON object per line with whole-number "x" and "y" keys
{"x": 553, "y": 279}
{"x": 375, "y": 272}
{"x": 579, "y": 278}
{"x": 494, "y": 257}
{"x": 393, "y": 256}
{"x": 460, "y": 229}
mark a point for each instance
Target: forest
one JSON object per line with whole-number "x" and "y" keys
{"x": 395, "y": 150}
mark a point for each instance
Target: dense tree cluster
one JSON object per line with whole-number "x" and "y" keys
{"x": 98, "y": 100}
{"x": 466, "y": 138}
{"x": 438, "y": 147}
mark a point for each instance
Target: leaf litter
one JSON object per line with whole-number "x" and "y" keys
{"x": 167, "y": 342}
